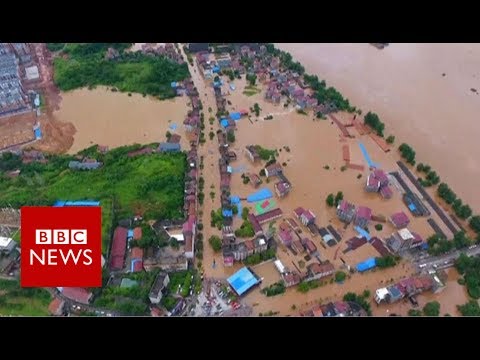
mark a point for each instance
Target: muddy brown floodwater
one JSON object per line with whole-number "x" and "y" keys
{"x": 405, "y": 86}
{"x": 115, "y": 119}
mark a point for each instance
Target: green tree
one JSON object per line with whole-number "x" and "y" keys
{"x": 215, "y": 242}
{"x": 391, "y": 139}
{"x": 340, "y": 276}
{"x": 475, "y": 223}
{"x": 231, "y": 136}
{"x": 379, "y": 227}
{"x": 245, "y": 212}
{"x": 414, "y": 312}
{"x": 211, "y": 135}
{"x": 168, "y": 135}
{"x": 469, "y": 309}
{"x": 338, "y": 198}
{"x": 257, "y": 109}
{"x": 330, "y": 200}
{"x": 432, "y": 308}
{"x": 419, "y": 167}
{"x": 461, "y": 240}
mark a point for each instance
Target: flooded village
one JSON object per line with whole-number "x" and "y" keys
{"x": 292, "y": 207}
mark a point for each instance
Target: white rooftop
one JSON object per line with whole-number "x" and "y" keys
{"x": 405, "y": 234}
{"x": 4, "y": 241}
{"x": 381, "y": 293}
{"x": 32, "y": 72}
{"x": 279, "y": 266}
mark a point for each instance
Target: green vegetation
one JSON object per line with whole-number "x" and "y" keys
{"x": 180, "y": 280}
{"x": 148, "y": 184}
{"x": 445, "y": 192}
{"x": 151, "y": 239}
{"x": 10, "y": 161}
{"x": 211, "y": 135}
{"x": 328, "y": 95}
{"x": 338, "y": 198}
{"x": 215, "y": 242}
{"x": 438, "y": 245}
{"x": 251, "y": 78}
{"x": 432, "y": 308}
{"x": 55, "y": 46}
{"x": 256, "y": 109}
{"x": 407, "y": 153}
{"x": 230, "y": 136}
{"x": 360, "y": 300}
{"x": 461, "y": 240}
{"x": 378, "y": 227}
{"x": 259, "y": 257}
{"x": 475, "y": 223}
{"x": 306, "y": 286}
{"x": 216, "y": 219}
{"x": 265, "y": 154}
{"x": 274, "y": 289}
{"x": 17, "y": 301}
{"x": 340, "y": 276}
{"x": 326, "y": 167}
{"x": 245, "y": 212}
{"x": 301, "y": 112}
{"x": 366, "y": 294}
{"x": 372, "y": 120}
{"x": 128, "y": 301}
{"x": 359, "y": 176}
{"x": 245, "y": 230}
{"x": 343, "y": 168}
{"x": 469, "y": 267}
{"x": 330, "y": 200}
{"x": 85, "y": 65}
{"x": 414, "y": 312}
{"x": 469, "y": 309}
{"x": 391, "y": 139}
{"x": 387, "y": 261}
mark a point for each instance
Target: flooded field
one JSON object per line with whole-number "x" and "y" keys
{"x": 115, "y": 119}
{"x": 427, "y": 95}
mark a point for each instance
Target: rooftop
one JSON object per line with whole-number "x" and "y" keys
{"x": 242, "y": 281}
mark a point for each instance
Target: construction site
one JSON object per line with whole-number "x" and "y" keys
{"x": 28, "y": 98}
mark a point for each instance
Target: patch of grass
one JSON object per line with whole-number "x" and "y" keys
{"x": 17, "y": 301}
{"x": 86, "y": 65}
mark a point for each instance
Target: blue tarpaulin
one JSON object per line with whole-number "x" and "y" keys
{"x": 232, "y": 87}
{"x": 224, "y": 123}
{"x": 38, "y": 133}
{"x": 215, "y": 69}
{"x": 424, "y": 246}
{"x": 412, "y": 207}
{"x": 367, "y": 265}
{"x": 173, "y": 126}
{"x": 61, "y": 203}
{"x": 235, "y": 200}
{"x": 363, "y": 233}
{"x": 235, "y": 116}
{"x": 229, "y": 169}
{"x": 227, "y": 213}
{"x": 130, "y": 234}
{"x": 366, "y": 156}
{"x": 260, "y": 195}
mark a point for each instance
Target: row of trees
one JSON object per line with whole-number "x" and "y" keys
{"x": 372, "y": 120}
{"x": 469, "y": 267}
{"x": 463, "y": 211}
{"x": 387, "y": 261}
{"x": 275, "y": 289}
{"x": 407, "y": 153}
{"x": 430, "y": 309}
{"x": 259, "y": 257}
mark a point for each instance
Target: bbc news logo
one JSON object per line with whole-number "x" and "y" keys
{"x": 61, "y": 247}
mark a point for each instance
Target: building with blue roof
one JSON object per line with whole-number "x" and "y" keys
{"x": 130, "y": 234}
{"x": 235, "y": 116}
{"x": 38, "y": 133}
{"x": 367, "y": 265}
{"x": 363, "y": 232}
{"x": 243, "y": 280}
{"x": 224, "y": 123}
{"x": 227, "y": 213}
{"x": 61, "y": 203}
{"x": 216, "y": 69}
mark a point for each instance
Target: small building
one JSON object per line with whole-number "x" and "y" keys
{"x": 400, "y": 241}
{"x": 278, "y": 264}
{"x": 285, "y": 237}
{"x": 282, "y": 188}
{"x": 156, "y": 292}
{"x": 252, "y": 153}
{"x": 386, "y": 192}
{"x": 363, "y": 216}
{"x": 307, "y": 218}
{"x": 291, "y": 278}
{"x": 6, "y": 245}
{"x": 57, "y": 307}
{"x": 255, "y": 180}
{"x": 297, "y": 246}
{"x": 310, "y": 246}
{"x": 243, "y": 280}
{"x": 269, "y": 216}
{"x": 317, "y": 271}
{"x": 197, "y": 47}
{"x": 381, "y": 176}
{"x": 169, "y": 147}
{"x": 400, "y": 220}
{"x": 378, "y": 245}
{"x": 79, "y": 295}
{"x": 373, "y": 184}
{"x": 346, "y": 211}
{"x": 299, "y": 212}
{"x": 255, "y": 224}
{"x": 273, "y": 170}
{"x": 77, "y": 165}
{"x": 368, "y": 264}
{"x": 31, "y": 73}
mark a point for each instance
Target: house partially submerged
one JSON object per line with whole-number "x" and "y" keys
{"x": 161, "y": 282}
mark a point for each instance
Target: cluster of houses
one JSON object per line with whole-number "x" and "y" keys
{"x": 335, "y": 309}
{"x": 233, "y": 250}
{"x": 410, "y": 287}
{"x": 347, "y": 212}
{"x": 378, "y": 181}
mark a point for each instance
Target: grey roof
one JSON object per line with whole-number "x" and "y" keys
{"x": 84, "y": 166}
{"x": 164, "y": 146}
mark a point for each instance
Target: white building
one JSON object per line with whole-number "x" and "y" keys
{"x": 279, "y": 266}
{"x": 32, "y": 73}
{"x": 6, "y": 244}
{"x": 156, "y": 292}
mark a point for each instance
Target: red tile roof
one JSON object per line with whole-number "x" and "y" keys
{"x": 137, "y": 233}
{"x": 299, "y": 211}
{"x": 381, "y": 176}
{"x": 269, "y": 215}
{"x": 137, "y": 253}
{"x": 386, "y": 191}
{"x": 364, "y": 212}
{"x": 77, "y": 294}
{"x": 355, "y": 242}
{"x": 310, "y": 246}
{"x": 317, "y": 268}
{"x": 379, "y": 246}
{"x": 256, "y": 225}
{"x": 56, "y": 306}
{"x": 119, "y": 247}
{"x": 285, "y": 237}
{"x": 249, "y": 245}
{"x": 138, "y": 266}
{"x": 400, "y": 219}
{"x": 188, "y": 243}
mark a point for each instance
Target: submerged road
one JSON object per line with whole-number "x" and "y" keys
{"x": 444, "y": 261}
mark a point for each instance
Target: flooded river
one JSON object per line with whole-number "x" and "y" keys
{"x": 425, "y": 94}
